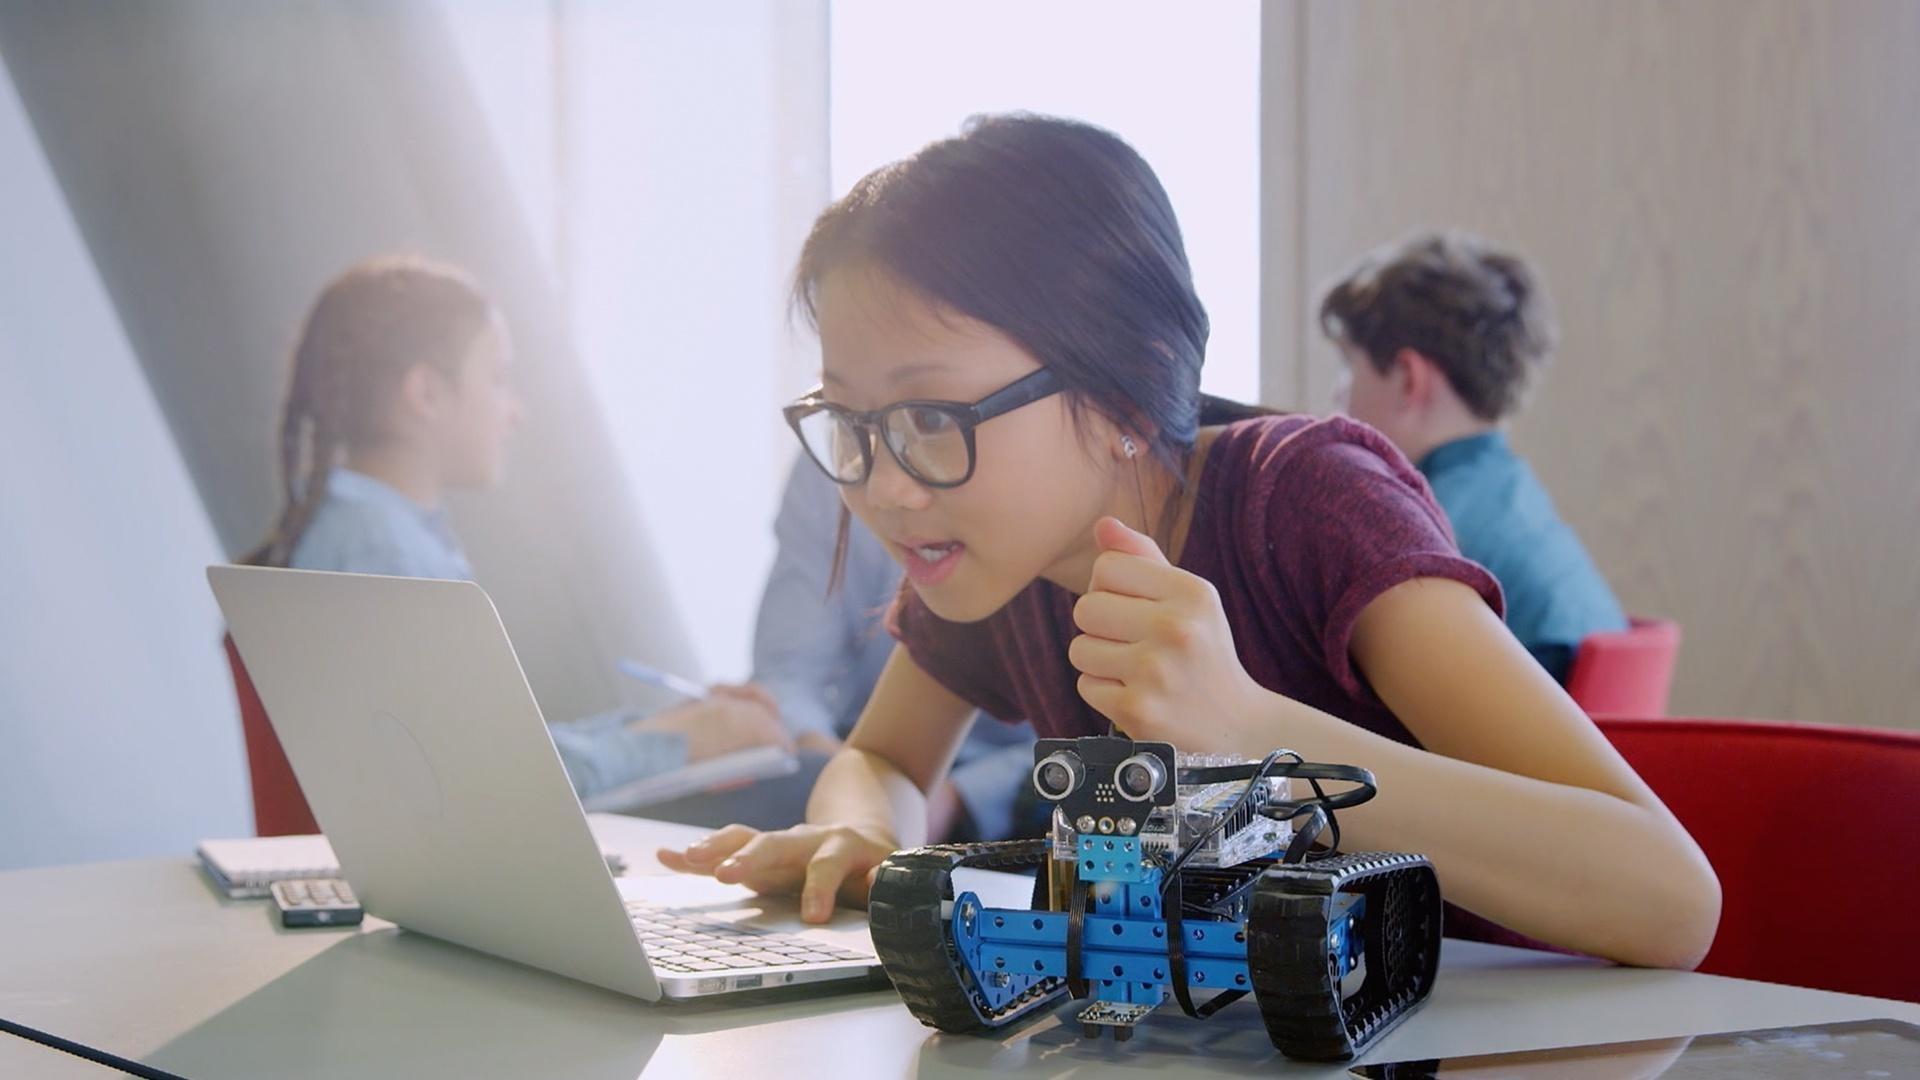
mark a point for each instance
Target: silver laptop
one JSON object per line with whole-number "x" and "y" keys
{"x": 417, "y": 741}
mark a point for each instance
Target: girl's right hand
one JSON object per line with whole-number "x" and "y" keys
{"x": 729, "y": 719}
{"x": 820, "y": 862}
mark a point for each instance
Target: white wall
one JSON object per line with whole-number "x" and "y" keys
{"x": 510, "y": 51}
{"x": 670, "y": 157}
{"x": 1181, "y": 83}
{"x": 693, "y": 163}
{"x": 118, "y": 731}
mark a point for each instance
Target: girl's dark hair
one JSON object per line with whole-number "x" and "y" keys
{"x": 370, "y": 326}
{"x": 1058, "y": 234}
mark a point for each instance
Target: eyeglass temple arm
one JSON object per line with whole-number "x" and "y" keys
{"x": 1022, "y": 392}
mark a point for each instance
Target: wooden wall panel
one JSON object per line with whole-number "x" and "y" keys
{"x": 1724, "y": 196}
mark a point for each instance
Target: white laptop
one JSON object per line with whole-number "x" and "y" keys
{"x": 417, "y": 741}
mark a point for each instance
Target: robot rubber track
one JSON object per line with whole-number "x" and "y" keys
{"x": 1309, "y": 1014}
{"x": 914, "y": 938}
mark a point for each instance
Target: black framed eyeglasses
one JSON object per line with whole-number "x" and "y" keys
{"x": 932, "y": 440}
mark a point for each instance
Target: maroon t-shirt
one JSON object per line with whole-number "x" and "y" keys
{"x": 1299, "y": 523}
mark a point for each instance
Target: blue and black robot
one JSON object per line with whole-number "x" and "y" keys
{"x": 1169, "y": 875}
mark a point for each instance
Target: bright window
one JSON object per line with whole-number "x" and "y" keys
{"x": 1179, "y": 82}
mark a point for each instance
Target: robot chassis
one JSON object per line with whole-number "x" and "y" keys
{"x": 1165, "y": 874}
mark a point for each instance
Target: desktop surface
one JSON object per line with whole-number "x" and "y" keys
{"x": 204, "y": 986}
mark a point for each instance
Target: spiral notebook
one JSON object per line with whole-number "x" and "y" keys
{"x": 247, "y": 868}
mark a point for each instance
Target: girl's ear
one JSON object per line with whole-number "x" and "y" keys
{"x": 423, "y": 392}
{"x": 1131, "y": 444}
{"x": 1133, "y": 437}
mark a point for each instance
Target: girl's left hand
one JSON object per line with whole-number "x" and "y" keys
{"x": 1155, "y": 653}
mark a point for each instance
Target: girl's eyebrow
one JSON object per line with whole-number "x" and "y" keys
{"x": 898, "y": 375}
{"x": 902, "y": 374}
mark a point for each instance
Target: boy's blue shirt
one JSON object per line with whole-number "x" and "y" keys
{"x": 1504, "y": 520}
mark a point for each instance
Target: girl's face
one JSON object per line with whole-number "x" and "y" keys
{"x": 1040, "y": 479}
{"x": 480, "y": 411}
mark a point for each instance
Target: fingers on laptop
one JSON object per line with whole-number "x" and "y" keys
{"x": 701, "y": 856}
{"x": 827, "y": 871}
{"x": 770, "y": 862}
{"x": 844, "y": 865}
{"x": 738, "y": 855}
{"x": 821, "y": 863}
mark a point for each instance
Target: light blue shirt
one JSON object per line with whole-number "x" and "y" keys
{"x": 365, "y": 526}
{"x": 820, "y": 655}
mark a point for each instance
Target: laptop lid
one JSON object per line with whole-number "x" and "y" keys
{"x": 419, "y": 745}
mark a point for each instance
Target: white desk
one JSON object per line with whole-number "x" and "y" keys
{"x": 145, "y": 959}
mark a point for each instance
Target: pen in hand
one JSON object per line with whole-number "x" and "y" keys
{"x": 665, "y": 680}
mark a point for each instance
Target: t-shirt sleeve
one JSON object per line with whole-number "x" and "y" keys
{"x": 1345, "y": 520}
{"x": 963, "y": 657}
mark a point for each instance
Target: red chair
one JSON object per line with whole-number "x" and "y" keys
{"x": 279, "y": 806}
{"x": 1626, "y": 672}
{"x": 1815, "y": 833}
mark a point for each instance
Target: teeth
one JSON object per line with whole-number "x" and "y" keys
{"x": 933, "y": 554}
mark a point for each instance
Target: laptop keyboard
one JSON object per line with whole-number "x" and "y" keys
{"x": 681, "y": 943}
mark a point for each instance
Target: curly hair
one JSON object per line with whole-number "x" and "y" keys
{"x": 1480, "y": 314}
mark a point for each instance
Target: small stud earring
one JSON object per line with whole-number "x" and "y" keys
{"x": 1126, "y": 443}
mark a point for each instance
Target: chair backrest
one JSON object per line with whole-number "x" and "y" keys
{"x": 1815, "y": 833}
{"x": 279, "y": 806}
{"x": 1626, "y": 672}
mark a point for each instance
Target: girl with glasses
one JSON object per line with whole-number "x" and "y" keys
{"x": 1011, "y": 349}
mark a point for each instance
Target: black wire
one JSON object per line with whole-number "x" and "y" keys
{"x": 1197, "y": 775}
{"x": 98, "y": 1057}
{"x": 1177, "y": 970}
{"x": 1177, "y": 957}
{"x": 1076, "y": 939}
{"x": 1333, "y": 820}
{"x": 1259, "y": 773}
{"x": 1275, "y": 765}
{"x": 1323, "y": 817}
{"x": 1320, "y": 813}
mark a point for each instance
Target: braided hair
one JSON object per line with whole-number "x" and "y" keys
{"x": 369, "y": 327}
